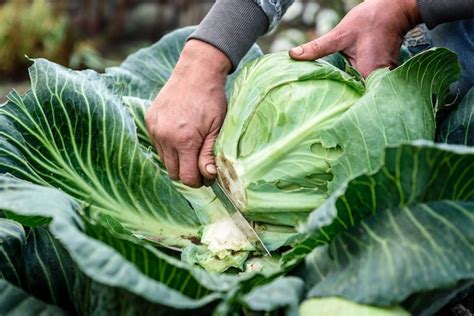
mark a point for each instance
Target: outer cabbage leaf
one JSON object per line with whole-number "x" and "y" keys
{"x": 405, "y": 229}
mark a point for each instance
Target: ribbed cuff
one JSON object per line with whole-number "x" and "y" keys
{"x": 435, "y": 12}
{"x": 233, "y": 27}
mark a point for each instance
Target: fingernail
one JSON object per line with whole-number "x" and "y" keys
{"x": 298, "y": 50}
{"x": 211, "y": 169}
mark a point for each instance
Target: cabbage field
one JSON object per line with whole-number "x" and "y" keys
{"x": 361, "y": 189}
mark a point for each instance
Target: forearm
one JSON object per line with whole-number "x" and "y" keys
{"x": 233, "y": 26}
{"x": 435, "y": 12}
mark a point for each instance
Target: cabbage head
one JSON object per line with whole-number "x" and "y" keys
{"x": 296, "y": 130}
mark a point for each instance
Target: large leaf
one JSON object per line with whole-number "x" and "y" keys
{"x": 72, "y": 133}
{"x": 15, "y": 302}
{"x": 398, "y": 106}
{"x": 421, "y": 247}
{"x": 405, "y": 229}
{"x": 458, "y": 127}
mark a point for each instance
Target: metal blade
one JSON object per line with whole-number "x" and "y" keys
{"x": 239, "y": 220}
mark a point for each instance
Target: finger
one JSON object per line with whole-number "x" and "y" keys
{"x": 188, "y": 168}
{"x": 207, "y": 161}
{"x": 171, "y": 162}
{"x": 323, "y": 46}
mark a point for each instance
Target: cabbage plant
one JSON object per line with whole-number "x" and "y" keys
{"x": 90, "y": 223}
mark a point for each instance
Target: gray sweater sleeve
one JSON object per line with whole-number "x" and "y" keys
{"x": 435, "y": 12}
{"x": 233, "y": 27}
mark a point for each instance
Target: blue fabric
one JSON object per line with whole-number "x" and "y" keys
{"x": 274, "y": 9}
{"x": 458, "y": 37}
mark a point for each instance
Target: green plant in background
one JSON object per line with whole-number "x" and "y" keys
{"x": 91, "y": 224}
{"x": 30, "y": 28}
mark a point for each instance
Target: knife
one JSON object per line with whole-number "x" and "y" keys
{"x": 239, "y": 220}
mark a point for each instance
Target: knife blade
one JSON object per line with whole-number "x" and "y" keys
{"x": 239, "y": 220}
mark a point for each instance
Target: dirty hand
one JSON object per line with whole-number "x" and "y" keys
{"x": 186, "y": 116}
{"x": 370, "y": 35}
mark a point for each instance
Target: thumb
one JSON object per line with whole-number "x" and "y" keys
{"x": 323, "y": 46}
{"x": 207, "y": 161}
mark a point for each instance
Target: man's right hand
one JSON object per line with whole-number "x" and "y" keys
{"x": 185, "y": 118}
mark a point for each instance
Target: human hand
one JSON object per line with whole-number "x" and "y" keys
{"x": 185, "y": 118}
{"x": 370, "y": 35}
